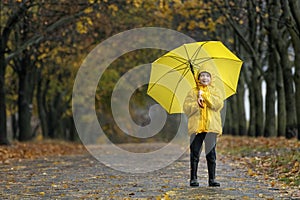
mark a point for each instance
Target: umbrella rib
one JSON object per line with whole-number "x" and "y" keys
{"x": 186, "y": 52}
{"x": 177, "y": 68}
{"x": 178, "y": 58}
{"x": 198, "y": 50}
{"x": 181, "y": 78}
{"x": 205, "y": 59}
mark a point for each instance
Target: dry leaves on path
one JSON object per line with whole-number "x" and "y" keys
{"x": 272, "y": 160}
{"x": 275, "y": 161}
{"x": 31, "y": 150}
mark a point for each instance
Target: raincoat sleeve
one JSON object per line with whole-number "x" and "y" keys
{"x": 190, "y": 104}
{"x": 213, "y": 100}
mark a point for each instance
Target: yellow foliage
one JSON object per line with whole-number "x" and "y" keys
{"x": 161, "y": 4}
{"x": 212, "y": 26}
{"x": 181, "y": 26}
{"x": 221, "y": 20}
{"x": 81, "y": 28}
{"x": 178, "y": 2}
{"x": 192, "y": 25}
{"x": 58, "y": 59}
{"x": 88, "y": 10}
{"x": 201, "y": 25}
{"x": 38, "y": 65}
{"x": 137, "y": 3}
{"x": 42, "y": 56}
{"x": 231, "y": 40}
{"x": 89, "y": 21}
{"x": 113, "y": 7}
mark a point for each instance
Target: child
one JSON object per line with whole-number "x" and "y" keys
{"x": 202, "y": 106}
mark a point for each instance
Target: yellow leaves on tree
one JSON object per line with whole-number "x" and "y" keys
{"x": 137, "y": 3}
{"x": 88, "y": 10}
{"x": 113, "y": 8}
{"x": 82, "y": 26}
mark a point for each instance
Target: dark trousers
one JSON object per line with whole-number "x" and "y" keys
{"x": 196, "y": 142}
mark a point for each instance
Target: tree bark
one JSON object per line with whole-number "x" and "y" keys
{"x": 258, "y": 104}
{"x": 293, "y": 23}
{"x": 3, "y": 127}
{"x": 10, "y": 24}
{"x": 241, "y": 105}
{"x": 281, "y": 111}
{"x": 40, "y": 98}
{"x": 270, "y": 128}
{"x": 281, "y": 39}
{"x": 25, "y": 103}
{"x": 228, "y": 119}
{"x": 252, "y": 127}
{"x": 234, "y": 116}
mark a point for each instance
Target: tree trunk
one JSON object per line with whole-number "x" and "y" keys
{"x": 258, "y": 103}
{"x": 289, "y": 95}
{"x": 293, "y": 18}
{"x": 40, "y": 98}
{"x": 234, "y": 116}
{"x": 25, "y": 107}
{"x": 228, "y": 119}
{"x": 281, "y": 39}
{"x": 252, "y": 127}
{"x": 270, "y": 77}
{"x": 297, "y": 82}
{"x": 274, "y": 10}
{"x": 3, "y": 127}
{"x": 14, "y": 126}
{"x": 6, "y": 31}
{"x": 241, "y": 105}
{"x": 281, "y": 111}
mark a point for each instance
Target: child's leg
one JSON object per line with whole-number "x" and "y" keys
{"x": 210, "y": 148}
{"x": 196, "y": 141}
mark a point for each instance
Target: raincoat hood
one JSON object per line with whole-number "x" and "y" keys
{"x": 212, "y": 70}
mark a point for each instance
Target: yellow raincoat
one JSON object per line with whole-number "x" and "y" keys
{"x": 207, "y": 119}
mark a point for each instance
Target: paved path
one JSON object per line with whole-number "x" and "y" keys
{"x": 83, "y": 177}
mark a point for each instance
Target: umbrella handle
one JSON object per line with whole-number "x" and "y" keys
{"x": 200, "y": 102}
{"x": 193, "y": 72}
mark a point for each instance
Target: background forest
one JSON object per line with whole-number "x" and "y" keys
{"x": 43, "y": 44}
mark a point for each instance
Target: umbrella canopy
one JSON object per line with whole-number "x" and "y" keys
{"x": 175, "y": 73}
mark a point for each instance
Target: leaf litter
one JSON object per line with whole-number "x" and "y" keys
{"x": 274, "y": 161}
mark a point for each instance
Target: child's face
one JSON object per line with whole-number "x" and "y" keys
{"x": 204, "y": 78}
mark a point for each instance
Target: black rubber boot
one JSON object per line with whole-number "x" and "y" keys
{"x": 194, "y": 181}
{"x": 211, "y": 166}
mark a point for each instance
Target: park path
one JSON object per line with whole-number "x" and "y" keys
{"x": 83, "y": 177}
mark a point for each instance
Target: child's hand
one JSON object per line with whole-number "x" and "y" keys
{"x": 200, "y": 92}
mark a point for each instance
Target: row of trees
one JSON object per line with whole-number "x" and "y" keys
{"x": 44, "y": 42}
{"x": 270, "y": 44}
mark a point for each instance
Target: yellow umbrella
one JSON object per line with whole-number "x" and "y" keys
{"x": 173, "y": 75}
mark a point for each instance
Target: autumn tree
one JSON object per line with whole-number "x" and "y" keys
{"x": 26, "y": 27}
